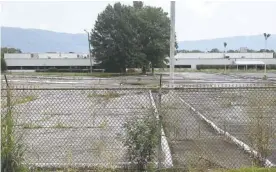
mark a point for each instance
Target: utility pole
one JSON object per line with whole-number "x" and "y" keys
{"x": 89, "y": 48}
{"x": 172, "y": 43}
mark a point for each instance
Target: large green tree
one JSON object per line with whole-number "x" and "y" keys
{"x": 114, "y": 40}
{"x": 131, "y": 36}
{"x": 154, "y": 31}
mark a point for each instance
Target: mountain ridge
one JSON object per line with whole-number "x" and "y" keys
{"x": 37, "y": 40}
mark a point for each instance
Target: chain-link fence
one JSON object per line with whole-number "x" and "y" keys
{"x": 141, "y": 128}
{"x": 201, "y": 80}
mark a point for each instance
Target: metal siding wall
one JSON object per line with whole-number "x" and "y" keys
{"x": 182, "y": 59}
{"x": 17, "y": 56}
{"x": 220, "y": 55}
{"x": 45, "y": 55}
{"x": 48, "y": 62}
{"x": 191, "y": 61}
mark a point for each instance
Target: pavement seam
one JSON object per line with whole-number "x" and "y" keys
{"x": 241, "y": 144}
{"x": 168, "y": 163}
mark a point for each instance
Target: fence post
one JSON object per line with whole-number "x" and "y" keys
{"x": 9, "y": 127}
{"x": 160, "y": 125}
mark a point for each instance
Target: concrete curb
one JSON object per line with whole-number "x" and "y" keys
{"x": 239, "y": 143}
{"x": 168, "y": 163}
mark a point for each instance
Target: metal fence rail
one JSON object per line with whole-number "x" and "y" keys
{"x": 141, "y": 128}
{"x": 205, "y": 80}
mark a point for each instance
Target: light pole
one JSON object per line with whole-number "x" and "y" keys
{"x": 172, "y": 43}
{"x": 89, "y": 48}
{"x": 225, "y": 45}
{"x": 266, "y": 36}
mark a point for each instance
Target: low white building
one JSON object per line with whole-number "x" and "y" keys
{"x": 198, "y": 60}
{"x": 222, "y": 55}
{"x": 82, "y": 61}
{"x": 47, "y": 60}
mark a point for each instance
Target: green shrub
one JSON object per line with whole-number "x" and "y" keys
{"x": 141, "y": 140}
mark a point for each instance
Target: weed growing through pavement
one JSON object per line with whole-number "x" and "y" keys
{"x": 20, "y": 100}
{"x": 31, "y": 126}
{"x": 106, "y": 95}
{"x": 61, "y": 125}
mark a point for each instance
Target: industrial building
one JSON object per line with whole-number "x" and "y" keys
{"x": 33, "y": 61}
{"x": 199, "y": 60}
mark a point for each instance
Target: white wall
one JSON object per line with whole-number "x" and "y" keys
{"x": 44, "y": 55}
{"x": 181, "y": 59}
{"x": 220, "y": 55}
{"x": 193, "y": 62}
{"x": 23, "y": 56}
{"x": 48, "y": 62}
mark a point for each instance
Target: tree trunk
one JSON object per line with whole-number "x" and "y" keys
{"x": 123, "y": 70}
{"x": 152, "y": 70}
{"x": 144, "y": 70}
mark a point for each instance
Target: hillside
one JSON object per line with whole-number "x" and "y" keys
{"x": 255, "y": 42}
{"x": 36, "y": 40}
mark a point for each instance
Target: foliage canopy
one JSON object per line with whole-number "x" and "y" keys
{"x": 135, "y": 36}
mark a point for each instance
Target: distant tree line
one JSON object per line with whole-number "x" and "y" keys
{"x": 135, "y": 36}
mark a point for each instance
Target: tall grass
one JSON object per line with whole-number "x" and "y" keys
{"x": 20, "y": 100}
{"x": 260, "y": 128}
{"x": 12, "y": 150}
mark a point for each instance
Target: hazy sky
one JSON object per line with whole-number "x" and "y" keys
{"x": 195, "y": 19}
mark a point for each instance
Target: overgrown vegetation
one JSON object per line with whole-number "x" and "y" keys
{"x": 20, "y": 100}
{"x": 31, "y": 126}
{"x": 141, "y": 140}
{"x": 260, "y": 127}
{"x": 12, "y": 150}
{"x": 106, "y": 95}
{"x": 60, "y": 125}
{"x": 135, "y": 83}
